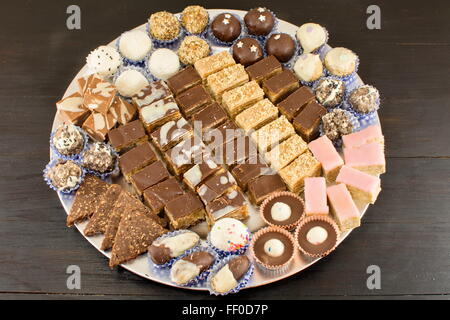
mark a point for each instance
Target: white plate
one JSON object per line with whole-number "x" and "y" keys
{"x": 140, "y": 266}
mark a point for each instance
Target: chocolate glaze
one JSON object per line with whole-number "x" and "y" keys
{"x": 239, "y": 266}
{"x": 258, "y": 248}
{"x": 281, "y": 45}
{"x": 295, "y": 205}
{"x": 226, "y": 27}
{"x": 202, "y": 259}
{"x": 328, "y": 244}
{"x": 247, "y": 51}
{"x": 259, "y": 21}
{"x": 159, "y": 254}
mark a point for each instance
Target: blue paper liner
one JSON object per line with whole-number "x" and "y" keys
{"x": 310, "y": 84}
{"x": 224, "y": 253}
{"x": 288, "y": 64}
{"x": 350, "y": 78}
{"x": 169, "y": 44}
{"x": 75, "y": 156}
{"x": 354, "y": 121}
{"x": 104, "y": 175}
{"x": 217, "y": 42}
{"x": 316, "y": 83}
{"x": 54, "y": 162}
{"x": 262, "y": 39}
{"x": 142, "y": 70}
{"x": 242, "y": 283}
{"x": 202, "y": 276}
{"x": 171, "y": 261}
{"x": 128, "y": 61}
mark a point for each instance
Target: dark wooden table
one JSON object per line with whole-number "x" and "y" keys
{"x": 406, "y": 234}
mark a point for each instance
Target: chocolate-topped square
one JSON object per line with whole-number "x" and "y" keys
{"x": 157, "y": 196}
{"x": 193, "y": 100}
{"x": 149, "y": 176}
{"x": 308, "y": 121}
{"x": 264, "y": 69}
{"x": 155, "y": 91}
{"x": 209, "y": 117}
{"x": 171, "y": 133}
{"x": 183, "y": 80}
{"x": 127, "y": 136}
{"x": 136, "y": 158}
{"x": 295, "y": 102}
{"x": 280, "y": 85}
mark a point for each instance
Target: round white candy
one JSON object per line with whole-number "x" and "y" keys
{"x": 308, "y": 67}
{"x": 280, "y": 211}
{"x": 130, "y": 82}
{"x": 104, "y": 60}
{"x": 163, "y": 63}
{"x": 274, "y": 248}
{"x": 341, "y": 61}
{"x": 135, "y": 45}
{"x": 311, "y": 36}
{"x": 228, "y": 234}
{"x": 317, "y": 235}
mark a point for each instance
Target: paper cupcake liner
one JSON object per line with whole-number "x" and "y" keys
{"x": 70, "y": 157}
{"x": 275, "y": 195}
{"x": 169, "y": 44}
{"x": 224, "y": 253}
{"x": 204, "y": 275}
{"x": 350, "y": 78}
{"x": 262, "y": 39}
{"x": 169, "y": 263}
{"x": 320, "y": 218}
{"x": 272, "y": 269}
{"x": 131, "y": 62}
{"x": 217, "y": 42}
{"x": 355, "y": 124}
{"x": 242, "y": 283}
{"x": 326, "y": 76}
{"x": 115, "y": 171}
{"x": 54, "y": 162}
{"x": 289, "y": 64}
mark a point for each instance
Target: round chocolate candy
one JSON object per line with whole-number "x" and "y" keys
{"x": 281, "y": 45}
{"x": 364, "y": 99}
{"x": 273, "y": 247}
{"x": 247, "y": 51}
{"x": 283, "y": 209}
{"x": 226, "y": 27}
{"x": 259, "y": 21}
{"x": 330, "y": 92}
{"x": 317, "y": 236}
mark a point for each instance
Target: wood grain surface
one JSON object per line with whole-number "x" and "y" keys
{"x": 406, "y": 233}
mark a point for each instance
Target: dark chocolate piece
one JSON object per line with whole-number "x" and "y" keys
{"x": 308, "y": 121}
{"x": 149, "y": 176}
{"x": 247, "y": 51}
{"x": 295, "y": 102}
{"x": 203, "y": 259}
{"x": 136, "y": 158}
{"x": 127, "y": 136}
{"x": 193, "y": 100}
{"x": 246, "y": 172}
{"x": 216, "y": 186}
{"x": 280, "y": 85}
{"x": 261, "y": 255}
{"x": 239, "y": 266}
{"x": 226, "y": 27}
{"x": 159, "y": 195}
{"x": 235, "y": 152}
{"x": 185, "y": 211}
{"x": 209, "y": 117}
{"x": 171, "y": 133}
{"x": 259, "y": 21}
{"x": 86, "y": 199}
{"x": 135, "y": 234}
{"x": 183, "y": 80}
{"x": 264, "y": 69}
{"x": 263, "y": 186}
{"x": 282, "y": 46}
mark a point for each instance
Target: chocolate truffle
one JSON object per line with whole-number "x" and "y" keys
{"x": 330, "y": 92}
{"x": 194, "y": 19}
{"x": 166, "y": 248}
{"x": 337, "y": 123}
{"x": 130, "y": 82}
{"x": 247, "y": 51}
{"x": 308, "y": 67}
{"x": 364, "y": 99}
{"x": 164, "y": 26}
{"x": 284, "y": 209}
{"x": 282, "y": 46}
{"x": 341, "y": 62}
{"x": 191, "y": 266}
{"x": 226, "y": 27}
{"x": 104, "y": 60}
{"x": 273, "y": 247}
{"x": 227, "y": 278}
{"x": 68, "y": 140}
{"x": 192, "y": 48}
{"x": 99, "y": 157}
{"x": 65, "y": 175}
{"x": 163, "y": 63}
{"x": 135, "y": 44}
{"x": 311, "y": 36}
{"x": 317, "y": 236}
{"x": 259, "y": 21}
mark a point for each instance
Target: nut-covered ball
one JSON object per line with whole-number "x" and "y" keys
{"x": 164, "y": 26}
{"x": 194, "y": 19}
{"x": 192, "y": 48}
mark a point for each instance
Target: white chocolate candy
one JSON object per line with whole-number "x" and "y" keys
{"x": 224, "y": 280}
{"x": 163, "y": 63}
{"x": 341, "y": 61}
{"x": 228, "y": 233}
{"x": 104, "y": 60}
{"x": 135, "y": 45}
{"x": 178, "y": 244}
{"x": 317, "y": 235}
{"x": 274, "y": 248}
{"x": 308, "y": 67}
{"x": 183, "y": 271}
{"x": 130, "y": 82}
{"x": 311, "y": 36}
{"x": 280, "y": 211}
